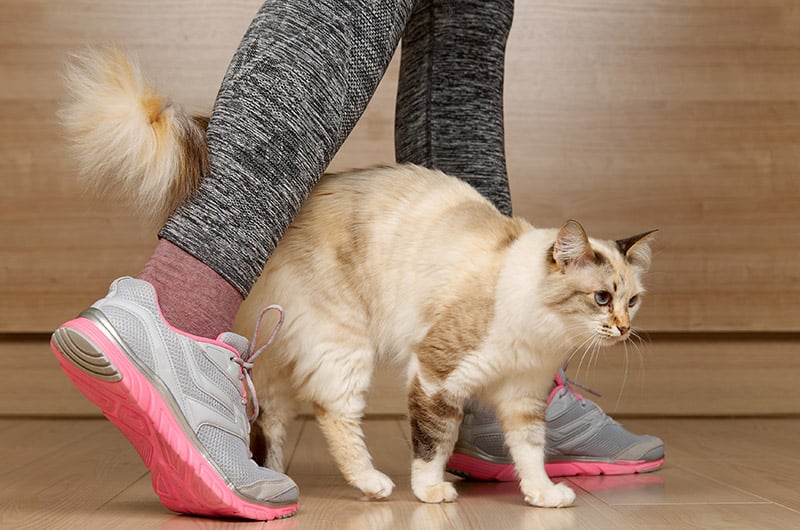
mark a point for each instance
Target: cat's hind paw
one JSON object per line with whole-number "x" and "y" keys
{"x": 374, "y": 484}
{"x": 438, "y": 493}
{"x": 552, "y": 496}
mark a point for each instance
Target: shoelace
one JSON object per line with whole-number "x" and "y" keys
{"x": 248, "y": 360}
{"x": 568, "y": 383}
{"x": 605, "y": 418}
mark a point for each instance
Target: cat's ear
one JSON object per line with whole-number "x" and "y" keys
{"x": 636, "y": 249}
{"x": 572, "y": 246}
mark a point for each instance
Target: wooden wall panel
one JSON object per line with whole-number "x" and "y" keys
{"x": 672, "y": 375}
{"x": 32, "y": 384}
{"x": 624, "y": 114}
{"x": 685, "y": 116}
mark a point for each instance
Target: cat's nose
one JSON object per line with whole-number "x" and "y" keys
{"x": 623, "y": 330}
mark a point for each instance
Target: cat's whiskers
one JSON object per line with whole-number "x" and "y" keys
{"x": 598, "y": 349}
{"x": 624, "y": 375}
{"x": 640, "y": 341}
{"x": 638, "y": 336}
{"x": 576, "y": 335}
{"x": 592, "y": 343}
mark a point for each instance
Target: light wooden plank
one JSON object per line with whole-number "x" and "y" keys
{"x": 88, "y": 477}
{"x": 325, "y": 503}
{"x": 770, "y": 477}
{"x": 503, "y": 504}
{"x": 329, "y": 502}
{"x": 87, "y": 473}
{"x": 26, "y": 441}
{"x": 705, "y": 516}
{"x": 670, "y": 485}
{"x": 137, "y": 506}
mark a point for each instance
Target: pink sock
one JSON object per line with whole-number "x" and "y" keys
{"x": 193, "y": 297}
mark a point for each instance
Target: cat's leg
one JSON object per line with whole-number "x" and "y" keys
{"x": 434, "y": 428}
{"x": 277, "y": 408}
{"x": 339, "y": 407}
{"x": 523, "y": 420}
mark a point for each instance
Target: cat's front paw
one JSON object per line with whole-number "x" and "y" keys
{"x": 437, "y": 493}
{"x": 550, "y": 496}
{"x": 374, "y": 484}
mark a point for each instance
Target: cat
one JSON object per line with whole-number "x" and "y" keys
{"x": 398, "y": 263}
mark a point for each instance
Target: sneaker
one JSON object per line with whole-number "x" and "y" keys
{"x": 179, "y": 399}
{"x": 580, "y": 440}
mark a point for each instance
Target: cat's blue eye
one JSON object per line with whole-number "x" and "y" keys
{"x": 602, "y": 298}
{"x": 633, "y": 301}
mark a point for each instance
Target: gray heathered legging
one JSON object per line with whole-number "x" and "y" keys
{"x": 300, "y": 79}
{"x": 450, "y": 97}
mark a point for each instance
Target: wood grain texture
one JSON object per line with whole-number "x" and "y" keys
{"x": 624, "y": 114}
{"x": 721, "y": 473}
{"x": 683, "y": 116}
{"x": 32, "y": 383}
{"x": 672, "y": 375}
{"x": 42, "y": 492}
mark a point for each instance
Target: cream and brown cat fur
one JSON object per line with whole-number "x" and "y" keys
{"x": 399, "y": 263}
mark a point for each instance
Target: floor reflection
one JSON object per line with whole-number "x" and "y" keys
{"x": 643, "y": 481}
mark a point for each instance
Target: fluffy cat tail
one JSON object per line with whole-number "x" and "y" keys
{"x": 129, "y": 140}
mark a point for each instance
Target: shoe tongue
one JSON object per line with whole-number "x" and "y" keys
{"x": 239, "y": 343}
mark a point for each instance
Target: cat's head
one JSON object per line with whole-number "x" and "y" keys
{"x": 597, "y": 284}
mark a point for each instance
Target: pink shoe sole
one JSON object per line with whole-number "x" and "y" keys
{"x": 185, "y": 481}
{"x": 621, "y": 467}
{"x": 478, "y": 469}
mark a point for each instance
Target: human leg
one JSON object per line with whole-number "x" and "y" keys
{"x": 301, "y": 77}
{"x": 298, "y": 83}
{"x": 450, "y": 96}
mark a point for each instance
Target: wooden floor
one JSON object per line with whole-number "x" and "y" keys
{"x": 720, "y": 473}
